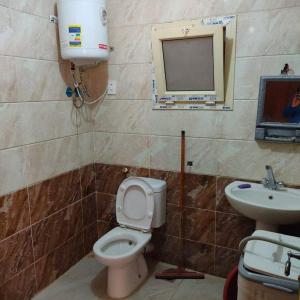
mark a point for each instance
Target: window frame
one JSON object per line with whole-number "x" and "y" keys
{"x": 181, "y": 30}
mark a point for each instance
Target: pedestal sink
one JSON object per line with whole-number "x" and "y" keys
{"x": 269, "y": 208}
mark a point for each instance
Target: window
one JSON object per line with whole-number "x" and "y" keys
{"x": 189, "y": 65}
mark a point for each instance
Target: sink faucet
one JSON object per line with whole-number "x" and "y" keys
{"x": 270, "y": 181}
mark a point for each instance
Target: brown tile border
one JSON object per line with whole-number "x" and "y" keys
{"x": 66, "y": 214}
{"x": 225, "y": 260}
{"x": 90, "y": 236}
{"x": 20, "y": 287}
{"x": 56, "y": 229}
{"x": 16, "y": 254}
{"x": 106, "y": 207}
{"x": 53, "y": 265}
{"x": 199, "y": 225}
{"x": 14, "y": 215}
{"x": 89, "y": 209}
{"x": 210, "y": 223}
{"x": 46, "y": 228}
{"x": 231, "y": 229}
{"x": 54, "y": 194}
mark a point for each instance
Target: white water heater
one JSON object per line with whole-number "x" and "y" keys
{"x": 83, "y": 31}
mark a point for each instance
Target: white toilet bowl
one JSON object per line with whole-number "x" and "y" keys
{"x": 121, "y": 250}
{"x": 140, "y": 205}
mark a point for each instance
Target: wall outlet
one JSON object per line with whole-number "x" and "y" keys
{"x": 112, "y": 87}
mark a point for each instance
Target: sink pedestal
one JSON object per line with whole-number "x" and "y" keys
{"x": 267, "y": 227}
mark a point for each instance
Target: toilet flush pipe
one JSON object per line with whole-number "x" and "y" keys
{"x": 268, "y": 240}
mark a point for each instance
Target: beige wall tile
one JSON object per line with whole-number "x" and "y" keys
{"x": 249, "y": 70}
{"x": 8, "y": 79}
{"x": 166, "y": 122}
{"x": 247, "y": 159}
{"x": 133, "y": 12}
{"x": 134, "y": 81}
{"x": 201, "y": 123}
{"x": 40, "y": 8}
{"x": 25, "y": 123}
{"x": 164, "y": 153}
{"x": 12, "y": 166}
{"x": 203, "y": 153}
{"x": 39, "y": 80}
{"x": 269, "y": 32}
{"x": 122, "y": 149}
{"x": 239, "y": 123}
{"x": 86, "y": 148}
{"x": 125, "y": 116}
{"x": 48, "y": 159}
{"x": 217, "y": 142}
{"x": 84, "y": 118}
{"x": 17, "y": 40}
{"x": 30, "y": 80}
{"x": 131, "y": 44}
{"x": 34, "y": 110}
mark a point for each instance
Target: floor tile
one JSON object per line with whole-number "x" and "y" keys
{"x": 88, "y": 279}
{"x": 209, "y": 288}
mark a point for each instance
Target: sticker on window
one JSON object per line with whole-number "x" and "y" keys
{"x": 75, "y": 36}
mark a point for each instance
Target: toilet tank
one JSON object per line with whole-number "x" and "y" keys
{"x": 159, "y": 188}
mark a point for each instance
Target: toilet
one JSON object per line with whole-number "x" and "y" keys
{"x": 140, "y": 206}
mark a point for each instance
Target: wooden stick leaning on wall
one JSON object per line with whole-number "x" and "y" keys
{"x": 180, "y": 272}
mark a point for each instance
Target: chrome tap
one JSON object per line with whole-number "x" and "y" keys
{"x": 270, "y": 181}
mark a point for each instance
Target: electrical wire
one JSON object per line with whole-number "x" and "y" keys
{"x": 81, "y": 91}
{"x": 99, "y": 99}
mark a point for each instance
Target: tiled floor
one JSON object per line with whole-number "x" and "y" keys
{"x": 87, "y": 281}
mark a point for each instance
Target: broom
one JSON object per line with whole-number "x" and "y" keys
{"x": 180, "y": 272}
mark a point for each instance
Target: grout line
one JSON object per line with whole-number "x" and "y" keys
{"x": 61, "y": 245}
{"x": 83, "y": 227}
{"x": 236, "y": 13}
{"x": 31, "y": 234}
{"x": 16, "y": 233}
{"x": 25, "y": 12}
{"x": 175, "y": 137}
{"x": 32, "y": 58}
{"x": 35, "y": 102}
{"x": 215, "y": 231}
{"x": 199, "y": 242}
{"x": 55, "y": 176}
{"x": 237, "y": 58}
{"x": 57, "y": 212}
{"x": 43, "y": 141}
{"x": 43, "y": 219}
{"x": 17, "y": 274}
{"x": 140, "y": 100}
{"x": 57, "y": 61}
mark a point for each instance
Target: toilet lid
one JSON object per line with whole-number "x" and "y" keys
{"x": 135, "y": 203}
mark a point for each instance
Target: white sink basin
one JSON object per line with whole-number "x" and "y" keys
{"x": 264, "y": 205}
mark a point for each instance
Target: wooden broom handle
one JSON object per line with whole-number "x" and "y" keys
{"x": 182, "y": 170}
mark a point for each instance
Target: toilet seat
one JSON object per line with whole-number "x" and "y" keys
{"x": 114, "y": 247}
{"x": 135, "y": 204}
